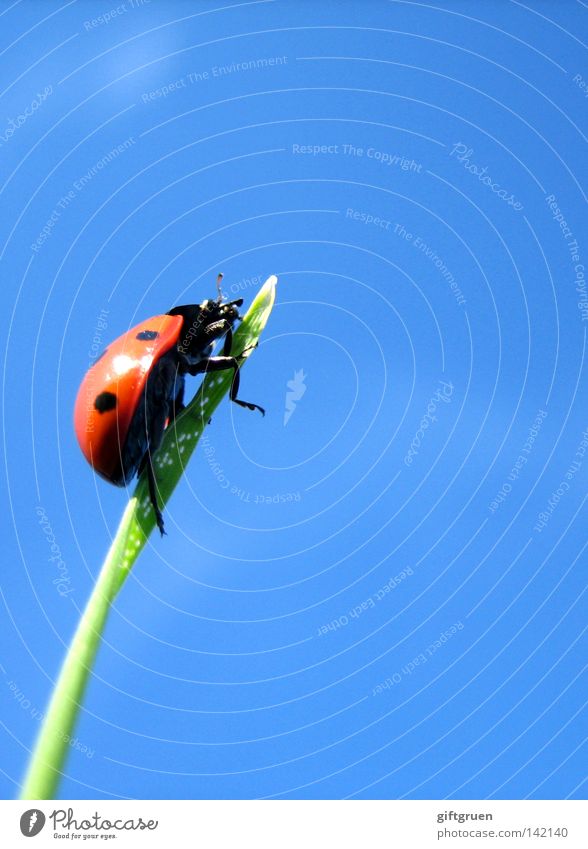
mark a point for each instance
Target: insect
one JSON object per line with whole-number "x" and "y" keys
{"x": 135, "y": 388}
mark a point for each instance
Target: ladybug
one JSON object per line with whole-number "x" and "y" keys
{"x": 135, "y": 388}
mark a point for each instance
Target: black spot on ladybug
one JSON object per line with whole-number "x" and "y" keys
{"x": 105, "y": 401}
{"x": 147, "y": 335}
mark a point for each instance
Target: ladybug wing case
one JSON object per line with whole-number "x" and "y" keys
{"x": 110, "y": 394}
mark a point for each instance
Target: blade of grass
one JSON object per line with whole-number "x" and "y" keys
{"x": 46, "y": 765}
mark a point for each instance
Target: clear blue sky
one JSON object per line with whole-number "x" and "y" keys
{"x": 415, "y": 175}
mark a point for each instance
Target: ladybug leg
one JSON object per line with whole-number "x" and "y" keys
{"x": 153, "y": 494}
{"x": 223, "y": 327}
{"x": 228, "y": 343}
{"x": 220, "y": 364}
{"x": 147, "y": 461}
{"x": 215, "y": 330}
{"x": 164, "y": 390}
{"x": 248, "y": 348}
{"x": 235, "y": 389}
{"x": 177, "y": 405}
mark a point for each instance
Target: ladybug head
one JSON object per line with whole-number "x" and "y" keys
{"x": 221, "y": 309}
{"x": 196, "y": 335}
{"x": 213, "y": 311}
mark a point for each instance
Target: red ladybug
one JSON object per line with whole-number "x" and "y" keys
{"x": 136, "y": 387}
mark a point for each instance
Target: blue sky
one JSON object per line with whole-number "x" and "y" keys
{"x": 382, "y": 597}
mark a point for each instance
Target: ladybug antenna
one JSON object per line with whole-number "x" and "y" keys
{"x": 218, "y": 287}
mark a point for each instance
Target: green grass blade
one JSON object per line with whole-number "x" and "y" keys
{"x": 46, "y": 765}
